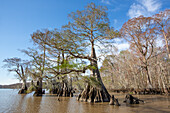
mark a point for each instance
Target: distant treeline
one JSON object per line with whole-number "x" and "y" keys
{"x": 13, "y": 86}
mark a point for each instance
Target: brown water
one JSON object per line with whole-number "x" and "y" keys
{"x": 11, "y": 102}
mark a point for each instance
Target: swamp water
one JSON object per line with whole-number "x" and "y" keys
{"x": 11, "y": 102}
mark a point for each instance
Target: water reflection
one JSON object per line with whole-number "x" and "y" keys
{"x": 10, "y": 101}
{"x": 32, "y": 105}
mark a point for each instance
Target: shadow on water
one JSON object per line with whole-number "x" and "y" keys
{"x": 33, "y": 105}
{"x": 26, "y": 104}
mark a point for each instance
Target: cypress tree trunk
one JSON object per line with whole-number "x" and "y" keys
{"x": 24, "y": 85}
{"x": 39, "y": 91}
{"x": 23, "y": 89}
{"x": 91, "y": 93}
{"x": 62, "y": 89}
{"x": 149, "y": 84}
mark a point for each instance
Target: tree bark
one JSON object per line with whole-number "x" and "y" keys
{"x": 39, "y": 90}
{"x": 91, "y": 93}
{"x": 23, "y": 89}
{"x": 166, "y": 41}
{"x": 149, "y": 84}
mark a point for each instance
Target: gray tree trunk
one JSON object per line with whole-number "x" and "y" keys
{"x": 91, "y": 93}
{"x": 23, "y": 89}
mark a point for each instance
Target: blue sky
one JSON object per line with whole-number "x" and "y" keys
{"x": 20, "y": 18}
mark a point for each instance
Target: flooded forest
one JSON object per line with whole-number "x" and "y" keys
{"x": 80, "y": 59}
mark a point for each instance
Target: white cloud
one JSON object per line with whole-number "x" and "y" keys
{"x": 106, "y": 2}
{"x": 8, "y": 81}
{"x": 122, "y": 46}
{"x": 115, "y": 22}
{"x": 151, "y": 5}
{"x": 136, "y": 10}
{"x": 144, "y": 7}
{"x": 116, "y": 47}
{"x": 119, "y": 46}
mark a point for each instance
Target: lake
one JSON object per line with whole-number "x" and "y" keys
{"x": 11, "y": 102}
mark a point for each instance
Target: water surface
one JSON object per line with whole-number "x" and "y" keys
{"x": 11, "y": 102}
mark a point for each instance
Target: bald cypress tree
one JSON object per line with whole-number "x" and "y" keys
{"x": 87, "y": 30}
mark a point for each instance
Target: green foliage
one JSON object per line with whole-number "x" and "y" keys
{"x": 31, "y": 89}
{"x": 91, "y": 67}
{"x": 91, "y": 81}
{"x": 78, "y": 84}
{"x": 68, "y": 64}
{"x": 131, "y": 93}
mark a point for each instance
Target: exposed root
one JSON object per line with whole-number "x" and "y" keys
{"x": 114, "y": 101}
{"x": 62, "y": 90}
{"x": 129, "y": 99}
{"x": 93, "y": 94}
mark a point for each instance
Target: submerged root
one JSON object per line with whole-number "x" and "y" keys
{"x": 114, "y": 101}
{"x": 129, "y": 99}
{"x": 22, "y": 91}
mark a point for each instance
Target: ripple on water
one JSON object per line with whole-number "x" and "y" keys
{"x": 11, "y": 101}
